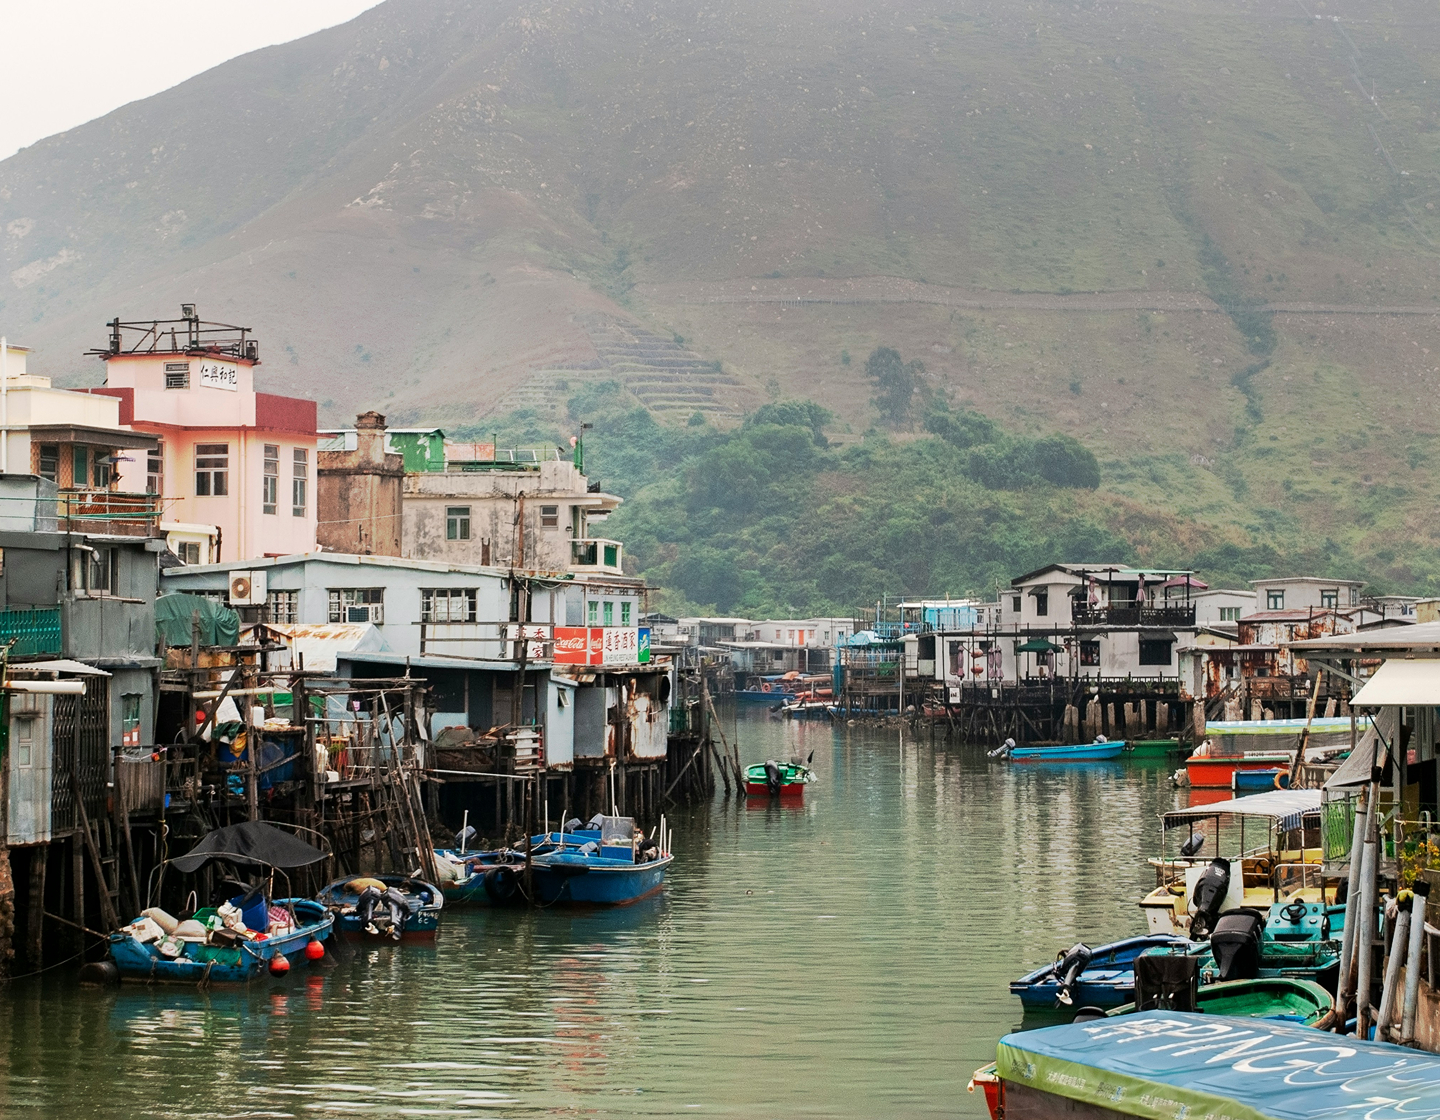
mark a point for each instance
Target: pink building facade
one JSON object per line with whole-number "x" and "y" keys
{"x": 230, "y": 457}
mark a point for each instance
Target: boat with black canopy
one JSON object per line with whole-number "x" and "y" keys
{"x": 242, "y": 935}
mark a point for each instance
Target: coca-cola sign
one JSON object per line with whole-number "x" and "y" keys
{"x": 572, "y": 645}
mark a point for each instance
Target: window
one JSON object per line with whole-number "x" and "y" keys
{"x": 1275, "y": 600}
{"x": 1155, "y": 651}
{"x": 549, "y": 517}
{"x": 448, "y": 604}
{"x": 130, "y": 719}
{"x": 155, "y": 470}
{"x": 624, "y": 614}
{"x": 177, "y": 375}
{"x": 357, "y": 604}
{"x": 1042, "y": 603}
{"x": 212, "y": 470}
{"x": 1330, "y": 597}
{"x": 1089, "y": 652}
{"x": 102, "y": 563}
{"x": 593, "y": 613}
{"x": 1229, "y": 614}
{"x": 457, "y": 523}
{"x": 1015, "y": 603}
{"x": 50, "y": 461}
{"x": 1354, "y": 596}
{"x": 609, "y": 613}
{"x": 270, "y": 481}
{"x": 79, "y": 466}
{"x": 282, "y": 606}
{"x": 103, "y": 469}
{"x": 189, "y": 552}
{"x": 300, "y": 484}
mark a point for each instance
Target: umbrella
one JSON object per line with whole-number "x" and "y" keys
{"x": 250, "y": 842}
{"x": 1037, "y": 645}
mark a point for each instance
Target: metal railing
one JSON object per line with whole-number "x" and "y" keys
{"x": 1131, "y": 615}
{"x": 34, "y": 632}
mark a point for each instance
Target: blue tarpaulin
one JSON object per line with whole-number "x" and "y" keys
{"x": 1168, "y": 1065}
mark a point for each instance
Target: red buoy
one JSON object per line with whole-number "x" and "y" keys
{"x": 314, "y": 950}
{"x": 279, "y": 966}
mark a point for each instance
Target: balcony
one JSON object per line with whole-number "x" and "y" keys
{"x": 596, "y": 554}
{"x": 1128, "y": 614}
{"x": 35, "y": 633}
{"x": 107, "y": 513}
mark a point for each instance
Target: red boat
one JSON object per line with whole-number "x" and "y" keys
{"x": 777, "y": 779}
{"x": 1217, "y": 772}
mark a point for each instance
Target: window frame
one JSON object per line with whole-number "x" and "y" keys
{"x": 432, "y": 597}
{"x": 1042, "y": 604}
{"x": 342, "y": 600}
{"x": 183, "y": 549}
{"x": 53, "y": 474}
{"x": 1330, "y": 598}
{"x": 457, "y": 523}
{"x": 549, "y": 517}
{"x": 300, "y": 482}
{"x": 625, "y": 612}
{"x": 1089, "y": 653}
{"x": 282, "y": 606}
{"x": 270, "y": 478}
{"x": 177, "y": 377}
{"x": 155, "y": 469}
{"x": 212, "y": 465}
{"x": 1275, "y": 599}
{"x": 592, "y": 612}
{"x": 607, "y": 612}
{"x": 1152, "y": 643}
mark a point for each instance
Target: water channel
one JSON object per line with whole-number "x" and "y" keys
{"x": 844, "y": 958}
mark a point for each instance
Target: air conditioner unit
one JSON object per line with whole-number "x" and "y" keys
{"x": 247, "y": 589}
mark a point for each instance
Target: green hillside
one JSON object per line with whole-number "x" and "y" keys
{"x": 1198, "y": 238}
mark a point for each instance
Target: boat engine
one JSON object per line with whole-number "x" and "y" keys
{"x": 773, "y": 779}
{"x": 1209, "y": 896}
{"x": 1235, "y": 944}
{"x": 1068, "y": 966}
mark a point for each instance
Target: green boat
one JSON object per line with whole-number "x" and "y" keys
{"x": 1152, "y": 748}
{"x": 1270, "y": 997}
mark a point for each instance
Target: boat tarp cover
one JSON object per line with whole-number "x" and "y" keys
{"x": 250, "y": 842}
{"x": 1229, "y": 738}
{"x": 1369, "y": 752}
{"x": 1164, "y": 1064}
{"x": 219, "y": 625}
{"x": 1288, "y": 806}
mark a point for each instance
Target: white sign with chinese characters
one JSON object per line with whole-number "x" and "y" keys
{"x": 219, "y": 375}
{"x": 622, "y": 646}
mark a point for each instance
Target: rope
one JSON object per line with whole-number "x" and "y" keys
{"x": 47, "y": 968}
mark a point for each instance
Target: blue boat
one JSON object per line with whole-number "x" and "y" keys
{"x": 1172, "y": 1063}
{"x": 1084, "y": 977}
{"x": 421, "y": 902}
{"x": 209, "y": 960}
{"x": 1079, "y": 752}
{"x": 603, "y": 865}
{"x": 1259, "y": 781}
{"x": 237, "y": 942}
{"x": 1297, "y": 940}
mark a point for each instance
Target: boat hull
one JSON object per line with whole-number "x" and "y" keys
{"x": 1280, "y": 998}
{"x": 1218, "y": 772}
{"x": 1152, "y": 748}
{"x": 420, "y": 924}
{"x": 1107, "y": 981}
{"x": 576, "y": 880}
{"x": 207, "y": 964}
{"x": 787, "y": 789}
{"x": 1083, "y": 752}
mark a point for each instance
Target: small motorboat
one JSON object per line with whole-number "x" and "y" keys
{"x": 244, "y": 936}
{"x": 1083, "y": 977}
{"x": 1078, "y": 752}
{"x": 607, "y": 862}
{"x": 1139, "y": 749}
{"x": 1294, "y": 940}
{"x": 1282, "y": 998}
{"x": 369, "y": 907}
{"x": 778, "y": 779}
{"x": 1258, "y": 781}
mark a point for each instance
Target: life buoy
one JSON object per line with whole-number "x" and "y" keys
{"x": 1282, "y": 780}
{"x": 765, "y": 686}
{"x": 501, "y": 884}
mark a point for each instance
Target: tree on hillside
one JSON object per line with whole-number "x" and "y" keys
{"x": 895, "y": 383}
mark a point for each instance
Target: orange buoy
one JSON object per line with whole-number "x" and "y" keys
{"x": 279, "y": 966}
{"x": 314, "y": 950}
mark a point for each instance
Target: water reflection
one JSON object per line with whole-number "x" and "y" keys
{"x": 844, "y": 956}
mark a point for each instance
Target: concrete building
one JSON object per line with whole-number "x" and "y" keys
{"x": 76, "y": 441}
{"x": 1304, "y": 592}
{"x": 359, "y": 490}
{"x": 228, "y": 456}
{"x": 526, "y": 509}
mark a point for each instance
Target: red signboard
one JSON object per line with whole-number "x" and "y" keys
{"x": 572, "y": 645}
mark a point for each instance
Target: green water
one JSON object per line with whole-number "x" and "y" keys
{"x": 844, "y": 958}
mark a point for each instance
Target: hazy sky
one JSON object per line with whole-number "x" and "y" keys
{"x": 69, "y": 61}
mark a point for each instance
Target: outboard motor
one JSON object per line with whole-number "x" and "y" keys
{"x": 773, "y": 779}
{"x": 597, "y": 822}
{"x": 1210, "y": 891}
{"x": 571, "y": 825}
{"x": 1235, "y": 944}
{"x": 1068, "y": 966}
{"x": 1192, "y": 846}
{"x": 1003, "y": 750}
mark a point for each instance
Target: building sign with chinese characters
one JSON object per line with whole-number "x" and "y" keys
{"x": 219, "y": 375}
{"x": 602, "y": 645}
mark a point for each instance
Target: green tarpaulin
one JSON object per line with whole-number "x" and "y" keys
{"x": 219, "y": 625}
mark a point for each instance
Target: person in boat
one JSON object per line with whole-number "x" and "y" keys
{"x": 372, "y": 894}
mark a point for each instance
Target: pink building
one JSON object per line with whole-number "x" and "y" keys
{"x": 230, "y": 457}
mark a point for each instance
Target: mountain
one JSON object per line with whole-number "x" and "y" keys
{"x": 1198, "y": 237}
